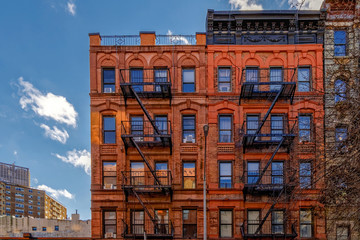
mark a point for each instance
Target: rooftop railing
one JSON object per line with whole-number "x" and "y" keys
{"x": 135, "y": 40}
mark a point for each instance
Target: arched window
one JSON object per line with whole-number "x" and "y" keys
{"x": 340, "y": 90}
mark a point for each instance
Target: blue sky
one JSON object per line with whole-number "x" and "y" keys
{"x": 44, "y": 65}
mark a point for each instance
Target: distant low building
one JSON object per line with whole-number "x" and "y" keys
{"x": 11, "y": 227}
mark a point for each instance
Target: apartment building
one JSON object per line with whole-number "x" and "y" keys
{"x": 341, "y": 54}
{"x": 10, "y": 173}
{"x": 256, "y": 80}
{"x": 54, "y": 209}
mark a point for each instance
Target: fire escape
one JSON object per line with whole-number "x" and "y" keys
{"x": 270, "y": 133}
{"x": 143, "y": 183}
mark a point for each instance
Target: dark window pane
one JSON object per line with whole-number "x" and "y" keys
{"x": 224, "y": 79}
{"x": 340, "y": 43}
{"x": 225, "y": 129}
{"x": 340, "y": 90}
{"x": 109, "y": 132}
{"x": 275, "y": 76}
{"x": 189, "y": 223}
{"x": 304, "y": 79}
{"x": 109, "y": 123}
{"x": 225, "y": 169}
{"x": 188, "y": 129}
{"x": 109, "y": 75}
{"x": 253, "y": 172}
{"x": 252, "y": 76}
{"x": 188, "y": 80}
{"x": 304, "y": 128}
{"x": 137, "y": 78}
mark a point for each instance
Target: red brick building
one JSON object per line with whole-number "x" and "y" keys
{"x": 256, "y": 80}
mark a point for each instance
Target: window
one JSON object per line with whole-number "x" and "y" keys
{"x": 253, "y": 172}
{"x": 109, "y": 175}
{"x": 252, "y": 75}
{"x": 8, "y": 198}
{"x": 161, "y": 169}
{"x": 8, "y": 187}
{"x": 225, "y": 128}
{"x": 19, "y": 200}
{"x": 137, "y": 173}
{"x": 252, "y": 124}
{"x": 276, "y": 75}
{"x": 340, "y": 137}
{"x": 161, "y": 123}
{"x": 109, "y": 224}
{"x": 226, "y": 220}
{"x": 34, "y": 228}
{"x": 30, "y": 196}
{"x": 162, "y": 217}
{"x": 339, "y": 43}
{"x": 277, "y": 172}
{"x": 8, "y": 192}
{"x": 189, "y": 173}
{"x": 19, "y": 189}
{"x": 137, "y": 79}
{"x": 189, "y": 223}
{"x": 304, "y": 128}
{"x": 277, "y": 127}
{"x": 188, "y": 77}
{"x": 305, "y": 175}
{"x": 30, "y": 190}
{"x": 8, "y": 204}
{"x": 38, "y": 208}
{"x": 340, "y": 90}
{"x": 303, "y": 79}
{"x": 277, "y": 222}
{"x": 44, "y": 229}
{"x": 30, "y": 201}
{"x": 30, "y": 207}
{"x": 137, "y": 127}
{"x": 38, "y": 197}
{"x": 8, "y": 209}
{"x": 253, "y": 220}
{"x": 108, "y": 75}
{"x": 188, "y": 128}
{"x": 225, "y": 174}
{"x": 137, "y": 222}
{"x": 342, "y": 233}
{"x": 19, "y": 194}
{"x": 38, "y": 203}
{"x": 56, "y": 227}
{"x": 109, "y": 129}
{"x": 19, "y": 205}
{"x": 305, "y": 223}
{"x": 160, "y": 77}
{"x": 224, "y": 79}
{"x": 30, "y": 212}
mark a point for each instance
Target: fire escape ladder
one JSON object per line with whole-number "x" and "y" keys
{"x": 268, "y": 213}
{"x": 270, "y": 160}
{"x": 153, "y": 219}
{"x": 145, "y": 160}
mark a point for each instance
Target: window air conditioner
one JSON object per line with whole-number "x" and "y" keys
{"x": 108, "y": 90}
{"x": 110, "y": 235}
{"x": 225, "y": 89}
{"x": 189, "y": 139}
{"x": 109, "y": 186}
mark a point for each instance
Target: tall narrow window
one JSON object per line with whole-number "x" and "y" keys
{"x": 225, "y": 128}
{"x": 160, "y": 77}
{"x": 162, "y": 217}
{"x": 189, "y": 223}
{"x": 339, "y": 43}
{"x": 109, "y": 175}
{"x": 109, "y": 224}
{"x": 340, "y": 90}
{"x": 162, "y": 174}
{"x": 277, "y": 127}
{"x": 253, "y": 221}
{"x": 188, "y": 80}
{"x": 342, "y": 233}
{"x": 137, "y": 128}
{"x": 189, "y": 175}
{"x": 253, "y": 172}
{"x": 108, "y": 75}
{"x": 226, "y": 223}
{"x": 137, "y": 222}
{"x": 252, "y": 124}
{"x": 304, "y": 128}
{"x": 137, "y": 173}
{"x": 305, "y": 175}
{"x": 305, "y": 223}
{"x": 276, "y": 75}
{"x": 109, "y": 129}
{"x": 304, "y": 79}
{"x": 277, "y": 222}
{"x": 224, "y": 79}
{"x": 225, "y": 174}
{"x": 277, "y": 172}
{"x": 137, "y": 79}
{"x": 340, "y": 137}
{"x": 188, "y": 128}
{"x": 252, "y": 75}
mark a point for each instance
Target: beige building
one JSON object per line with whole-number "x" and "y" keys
{"x": 2, "y": 198}
{"x": 54, "y": 209}
{"x": 41, "y": 227}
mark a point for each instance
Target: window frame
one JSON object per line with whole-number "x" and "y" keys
{"x": 276, "y": 88}
{"x": 253, "y": 224}
{"x": 340, "y": 44}
{"x": 103, "y": 175}
{"x": 308, "y": 81}
{"x": 231, "y": 174}
{"x": 221, "y": 224}
{"x": 339, "y": 93}
{"x": 182, "y": 79}
{"x": 303, "y": 176}
{"x": 104, "y": 221}
{"x": 157, "y": 88}
{"x": 132, "y": 220}
{"x": 183, "y": 130}
{"x": 222, "y": 130}
{"x": 227, "y": 82}
{"x": 348, "y": 231}
{"x": 139, "y": 133}
{"x": 110, "y": 131}
{"x": 103, "y": 84}
{"x": 189, "y": 224}
{"x": 139, "y": 87}
{"x": 278, "y": 224}
{"x": 277, "y": 176}
{"x": 310, "y": 129}
{"x": 258, "y": 173}
{"x": 306, "y": 224}
{"x": 183, "y": 174}
{"x": 341, "y": 130}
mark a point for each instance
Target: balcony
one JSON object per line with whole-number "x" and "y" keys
{"x": 147, "y": 83}
{"x": 271, "y": 133}
{"x": 144, "y": 135}
{"x": 144, "y": 181}
{"x": 270, "y": 229}
{"x": 152, "y": 230}
{"x": 267, "y": 83}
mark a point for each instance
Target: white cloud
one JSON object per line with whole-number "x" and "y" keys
{"x": 48, "y": 106}
{"x": 78, "y": 158}
{"x": 55, "y": 133}
{"x": 306, "y": 4}
{"x": 56, "y": 193}
{"x": 245, "y": 5}
{"x": 35, "y": 180}
{"x": 177, "y": 39}
{"x": 71, "y": 8}
{"x": 15, "y": 153}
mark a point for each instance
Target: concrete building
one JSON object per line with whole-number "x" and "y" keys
{"x": 44, "y": 228}
{"x": 12, "y": 174}
{"x": 54, "y": 209}
{"x": 341, "y": 55}
{"x": 261, "y": 94}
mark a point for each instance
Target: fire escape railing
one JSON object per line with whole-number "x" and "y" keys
{"x": 274, "y": 229}
{"x": 146, "y": 229}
